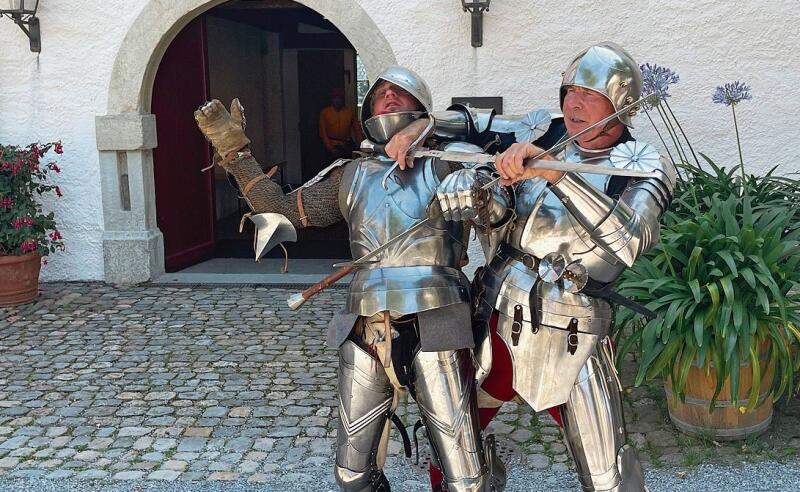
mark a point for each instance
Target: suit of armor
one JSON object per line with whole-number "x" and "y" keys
{"x": 407, "y": 323}
{"x": 544, "y": 288}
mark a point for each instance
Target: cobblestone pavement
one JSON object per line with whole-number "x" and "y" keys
{"x": 153, "y": 384}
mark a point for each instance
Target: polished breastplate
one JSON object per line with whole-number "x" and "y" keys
{"x": 543, "y": 225}
{"x": 418, "y": 273}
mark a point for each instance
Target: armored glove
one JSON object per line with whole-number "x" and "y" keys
{"x": 225, "y": 131}
{"x": 460, "y": 196}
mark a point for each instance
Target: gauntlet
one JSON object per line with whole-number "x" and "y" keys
{"x": 225, "y": 131}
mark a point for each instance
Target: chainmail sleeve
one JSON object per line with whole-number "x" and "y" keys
{"x": 319, "y": 201}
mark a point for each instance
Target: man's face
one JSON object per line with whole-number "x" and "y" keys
{"x": 584, "y": 107}
{"x": 389, "y": 98}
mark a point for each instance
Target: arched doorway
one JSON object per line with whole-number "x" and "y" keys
{"x": 133, "y": 243}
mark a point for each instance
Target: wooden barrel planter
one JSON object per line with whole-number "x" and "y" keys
{"x": 20, "y": 278}
{"x": 726, "y": 422}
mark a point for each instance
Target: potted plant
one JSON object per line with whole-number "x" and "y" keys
{"x": 723, "y": 280}
{"x": 27, "y": 233}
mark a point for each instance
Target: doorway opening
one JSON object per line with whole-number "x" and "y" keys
{"x": 284, "y": 61}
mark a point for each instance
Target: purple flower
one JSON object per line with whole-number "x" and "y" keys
{"x": 732, "y": 93}
{"x": 656, "y": 81}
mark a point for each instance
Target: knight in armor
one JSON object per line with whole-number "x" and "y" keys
{"x": 545, "y": 297}
{"x": 407, "y": 323}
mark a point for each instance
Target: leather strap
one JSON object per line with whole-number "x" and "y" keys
{"x": 253, "y": 182}
{"x": 300, "y": 210}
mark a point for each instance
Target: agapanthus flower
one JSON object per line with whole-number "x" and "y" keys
{"x": 732, "y": 93}
{"x": 656, "y": 81}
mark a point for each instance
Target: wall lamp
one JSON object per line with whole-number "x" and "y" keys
{"x": 476, "y": 8}
{"x": 23, "y": 13}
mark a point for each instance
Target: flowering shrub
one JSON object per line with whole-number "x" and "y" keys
{"x": 24, "y": 227}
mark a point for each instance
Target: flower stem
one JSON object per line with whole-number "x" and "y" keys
{"x": 672, "y": 134}
{"x": 691, "y": 149}
{"x": 738, "y": 144}
{"x": 663, "y": 142}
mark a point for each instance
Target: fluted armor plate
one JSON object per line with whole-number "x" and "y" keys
{"x": 544, "y": 368}
{"x": 418, "y": 273}
{"x": 445, "y": 391}
{"x": 365, "y": 399}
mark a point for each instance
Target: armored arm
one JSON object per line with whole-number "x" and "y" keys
{"x": 314, "y": 205}
{"x": 627, "y": 227}
{"x": 461, "y": 195}
{"x": 484, "y": 128}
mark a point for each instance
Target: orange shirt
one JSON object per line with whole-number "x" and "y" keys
{"x": 336, "y": 126}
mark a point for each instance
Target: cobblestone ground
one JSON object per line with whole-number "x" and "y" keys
{"x": 226, "y": 384}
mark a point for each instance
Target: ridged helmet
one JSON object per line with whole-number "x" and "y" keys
{"x": 608, "y": 69}
{"x": 401, "y": 77}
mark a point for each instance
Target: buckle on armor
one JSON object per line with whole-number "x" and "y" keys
{"x": 516, "y": 326}
{"x": 572, "y": 338}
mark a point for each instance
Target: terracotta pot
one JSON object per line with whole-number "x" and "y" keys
{"x": 20, "y": 278}
{"x": 726, "y": 422}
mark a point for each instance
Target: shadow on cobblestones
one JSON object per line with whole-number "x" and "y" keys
{"x": 218, "y": 384}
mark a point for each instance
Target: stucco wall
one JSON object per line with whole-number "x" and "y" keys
{"x": 57, "y": 94}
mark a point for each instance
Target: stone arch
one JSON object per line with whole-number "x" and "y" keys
{"x": 132, "y": 244}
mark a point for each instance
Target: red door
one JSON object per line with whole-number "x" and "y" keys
{"x": 184, "y": 194}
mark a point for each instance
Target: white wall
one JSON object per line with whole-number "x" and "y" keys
{"x": 56, "y": 95}
{"x": 527, "y": 43}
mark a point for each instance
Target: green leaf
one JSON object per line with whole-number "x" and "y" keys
{"x": 728, "y": 259}
{"x": 748, "y": 276}
{"x": 762, "y": 298}
{"x": 727, "y": 288}
{"x": 698, "y": 328}
{"x": 714, "y": 291}
{"x": 695, "y": 286}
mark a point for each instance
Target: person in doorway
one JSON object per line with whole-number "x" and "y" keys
{"x": 338, "y": 127}
{"x": 407, "y": 323}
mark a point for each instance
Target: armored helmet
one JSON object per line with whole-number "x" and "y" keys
{"x": 608, "y": 69}
{"x": 409, "y": 81}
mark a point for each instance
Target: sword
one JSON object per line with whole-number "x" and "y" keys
{"x": 297, "y": 300}
{"x": 572, "y": 167}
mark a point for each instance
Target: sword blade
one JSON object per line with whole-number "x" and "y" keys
{"x": 565, "y": 166}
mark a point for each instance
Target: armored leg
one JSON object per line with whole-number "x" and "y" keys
{"x": 365, "y": 399}
{"x": 445, "y": 393}
{"x": 594, "y": 430}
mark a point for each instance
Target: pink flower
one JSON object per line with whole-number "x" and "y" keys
{"x": 6, "y": 202}
{"x": 29, "y": 246}
{"x": 22, "y": 221}
{"x": 44, "y": 261}
{"x": 54, "y": 167}
{"x": 58, "y": 192}
{"x": 55, "y": 235}
{"x": 58, "y": 148}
